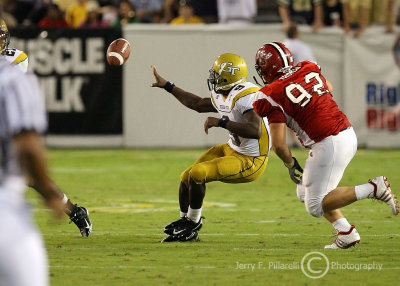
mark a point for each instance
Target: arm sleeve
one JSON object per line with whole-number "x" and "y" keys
{"x": 275, "y": 115}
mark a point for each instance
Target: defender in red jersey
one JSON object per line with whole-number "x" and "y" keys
{"x": 300, "y": 98}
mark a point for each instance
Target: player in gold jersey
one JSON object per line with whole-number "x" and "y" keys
{"x": 242, "y": 159}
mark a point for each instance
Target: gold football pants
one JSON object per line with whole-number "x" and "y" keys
{"x": 222, "y": 163}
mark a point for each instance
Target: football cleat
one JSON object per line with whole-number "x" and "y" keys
{"x": 382, "y": 192}
{"x": 80, "y": 216}
{"x": 194, "y": 236}
{"x": 185, "y": 229}
{"x": 170, "y": 238}
{"x": 169, "y": 229}
{"x": 345, "y": 239}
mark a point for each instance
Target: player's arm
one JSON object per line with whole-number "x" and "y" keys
{"x": 278, "y": 139}
{"x": 188, "y": 99}
{"x": 31, "y": 156}
{"x": 251, "y": 128}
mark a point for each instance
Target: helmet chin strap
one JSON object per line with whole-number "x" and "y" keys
{"x": 229, "y": 86}
{"x": 255, "y": 79}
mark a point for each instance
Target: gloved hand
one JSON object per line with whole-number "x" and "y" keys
{"x": 295, "y": 171}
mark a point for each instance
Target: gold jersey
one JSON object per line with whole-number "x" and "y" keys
{"x": 234, "y": 106}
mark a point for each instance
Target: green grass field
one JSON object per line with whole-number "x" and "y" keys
{"x": 253, "y": 234}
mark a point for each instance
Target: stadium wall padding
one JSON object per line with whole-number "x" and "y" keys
{"x": 363, "y": 71}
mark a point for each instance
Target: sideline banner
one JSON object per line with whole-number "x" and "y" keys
{"x": 372, "y": 88}
{"x": 83, "y": 93}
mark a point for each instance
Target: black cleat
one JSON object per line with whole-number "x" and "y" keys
{"x": 186, "y": 228}
{"x": 170, "y": 238}
{"x": 80, "y": 216}
{"x": 169, "y": 229}
{"x": 194, "y": 236}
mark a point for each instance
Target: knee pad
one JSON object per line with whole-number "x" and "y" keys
{"x": 198, "y": 173}
{"x": 301, "y": 193}
{"x": 314, "y": 207}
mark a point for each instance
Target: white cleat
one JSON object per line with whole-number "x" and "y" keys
{"x": 382, "y": 192}
{"x": 345, "y": 239}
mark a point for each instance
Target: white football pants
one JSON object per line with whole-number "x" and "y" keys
{"x": 324, "y": 169}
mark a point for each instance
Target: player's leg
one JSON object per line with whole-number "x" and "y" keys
{"x": 232, "y": 168}
{"x": 378, "y": 188}
{"x": 323, "y": 171}
{"x": 183, "y": 199}
{"x": 212, "y": 153}
{"x": 78, "y": 214}
{"x": 338, "y": 221}
{"x": 347, "y": 235}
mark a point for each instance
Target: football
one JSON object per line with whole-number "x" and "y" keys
{"x": 118, "y": 52}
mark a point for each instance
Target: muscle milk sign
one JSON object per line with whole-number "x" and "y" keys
{"x": 83, "y": 94}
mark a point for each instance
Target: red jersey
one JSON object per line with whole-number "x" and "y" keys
{"x": 301, "y": 99}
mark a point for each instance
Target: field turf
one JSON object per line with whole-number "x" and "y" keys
{"x": 254, "y": 234}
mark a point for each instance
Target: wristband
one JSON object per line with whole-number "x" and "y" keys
{"x": 169, "y": 86}
{"x": 223, "y": 121}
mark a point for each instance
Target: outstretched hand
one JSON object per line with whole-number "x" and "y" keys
{"x": 159, "y": 80}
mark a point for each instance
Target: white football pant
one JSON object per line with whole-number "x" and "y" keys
{"x": 324, "y": 169}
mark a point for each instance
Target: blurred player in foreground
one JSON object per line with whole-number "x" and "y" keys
{"x": 23, "y": 258}
{"x": 300, "y": 97}
{"x": 79, "y": 215}
{"x": 242, "y": 159}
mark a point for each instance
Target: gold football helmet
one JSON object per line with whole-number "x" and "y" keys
{"x": 228, "y": 70}
{"x": 4, "y": 36}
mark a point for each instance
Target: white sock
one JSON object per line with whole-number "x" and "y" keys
{"x": 64, "y": 199}
{"x": 341, "y": 224}
{"x": 362, "y": 191}
{"x": 194, "y": 214}
{"x": 182, "y": 214}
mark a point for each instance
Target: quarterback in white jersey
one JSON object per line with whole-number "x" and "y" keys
{"x": 242, "y": 159}
{"x": 78, "y": 214}
{"x": 23, "y": 258}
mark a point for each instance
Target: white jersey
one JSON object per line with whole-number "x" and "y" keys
{"x": 18, "y": 58}
{"x": 23, "y": 258}
{"x": 234, "y": 106}
{"x": 22, "y": 108}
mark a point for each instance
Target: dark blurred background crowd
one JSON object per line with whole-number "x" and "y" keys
{"x": 351, "y": 15}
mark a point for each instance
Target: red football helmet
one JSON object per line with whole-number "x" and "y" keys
{"x": 272, "y": 60}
